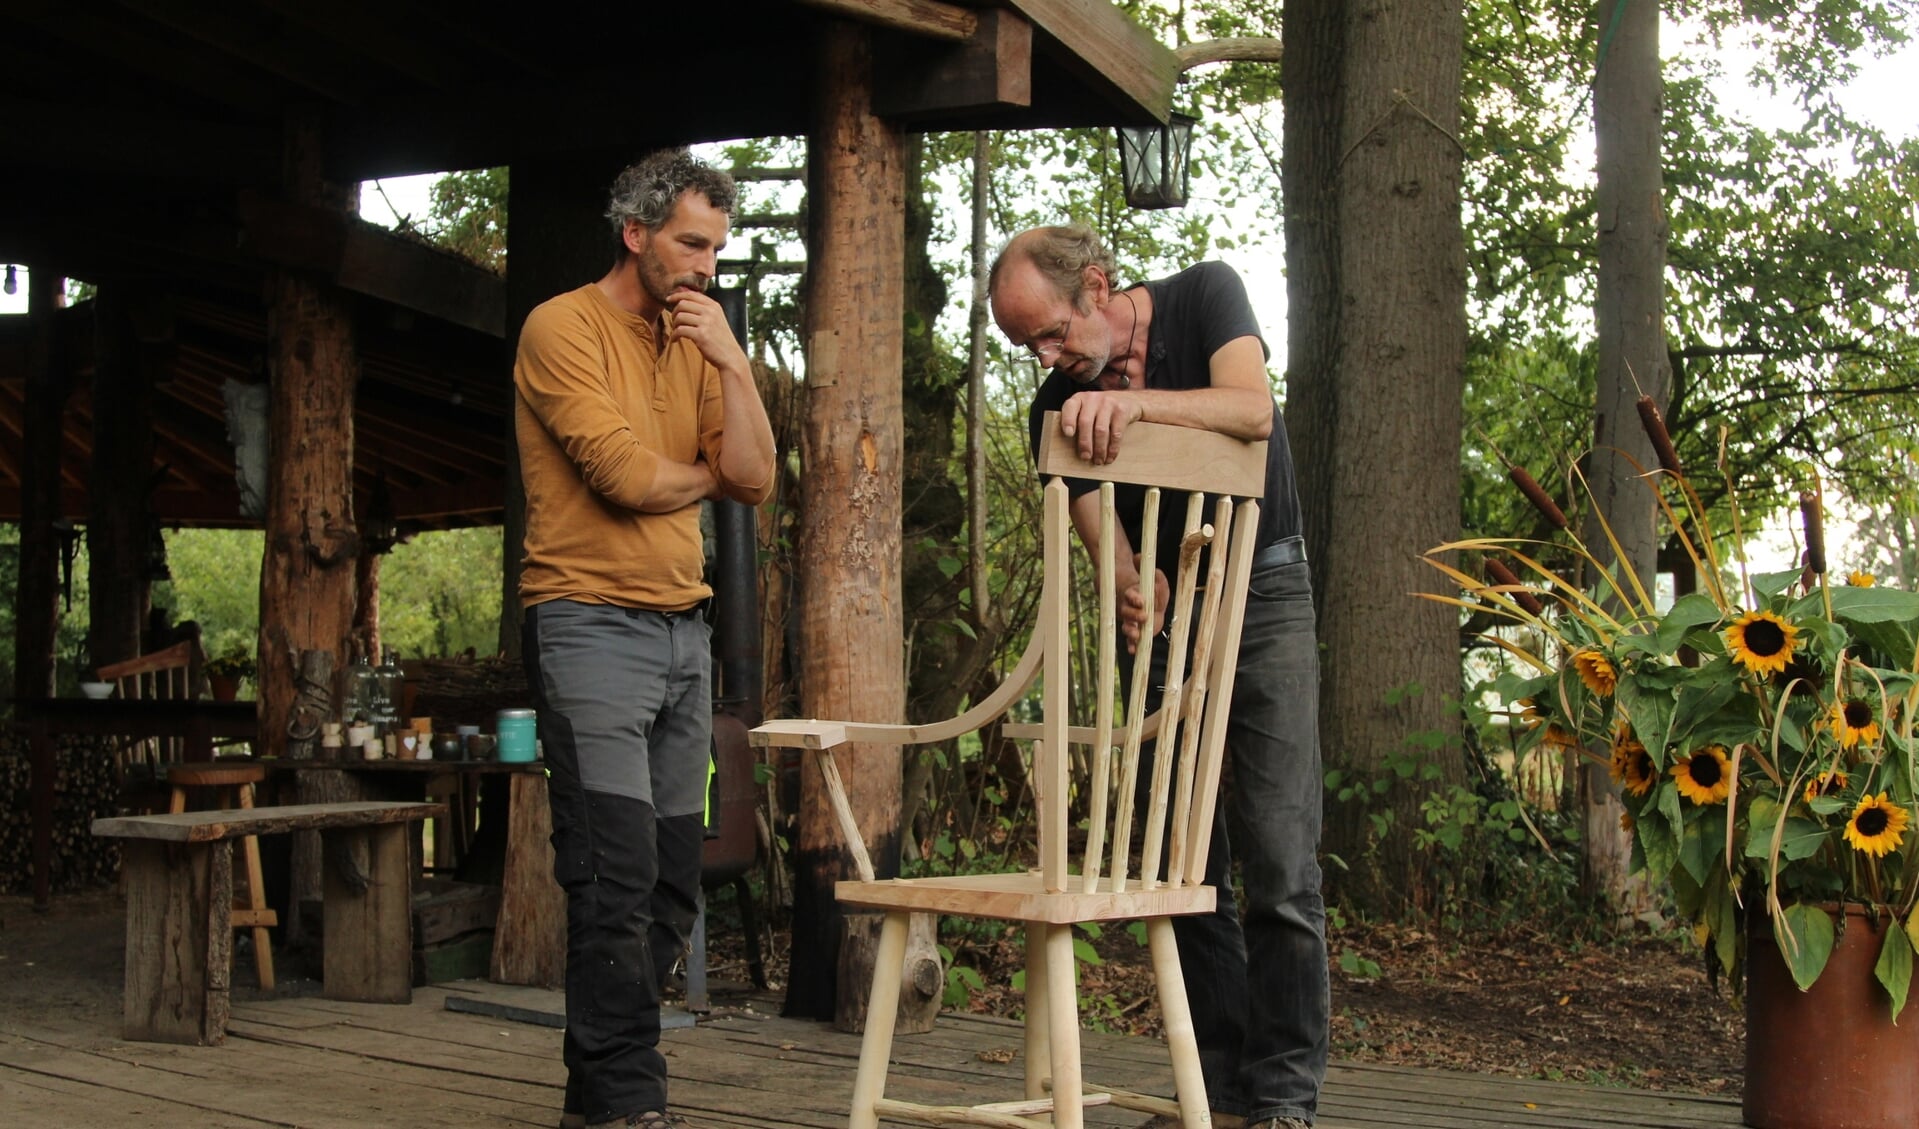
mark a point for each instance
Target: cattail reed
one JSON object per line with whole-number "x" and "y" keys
{"x": 1655, "y": 426}
{"x": 1815, "y": 531}
{"x": 1536, "y": 494}
{"x": 1499, "y": 574}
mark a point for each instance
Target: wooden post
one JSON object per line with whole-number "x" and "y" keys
{"x": 307, "y": 576}
{"x": 37, "y": 611}
{"x": 559, "y": 240}
{"x": 366, "y": 606}
{"x": 851, "y": 651}
{"x": 119, "y": 482}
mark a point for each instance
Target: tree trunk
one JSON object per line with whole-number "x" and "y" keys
{"x": 37, "y": 621}
{"x": 850, "y": 617}
{"x": 119, "y": 485}
{"x": 1630, "y": 318}
{"x": 307, "y": 574}
{"x": 1376, "y": 429}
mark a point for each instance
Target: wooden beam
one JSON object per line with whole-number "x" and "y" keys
{"x": 915, "y": 17}
{"x": 989, "y": 70}
{"x": 295, "y": 59}
{"x": 1109, "y": 52}
{"x": 367, "y": 259}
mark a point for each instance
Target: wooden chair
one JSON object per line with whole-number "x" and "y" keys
{"x": 1171, "y": 843}
{"x": 172, "y": 673}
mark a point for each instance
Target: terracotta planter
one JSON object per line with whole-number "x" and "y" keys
{"x": 1829, "y": 1057}
{"x": 225, "y": 688}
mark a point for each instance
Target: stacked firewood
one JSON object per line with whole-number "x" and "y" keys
{"x": 86, "y": 786}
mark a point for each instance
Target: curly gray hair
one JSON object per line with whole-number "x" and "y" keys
{"x": 646, "y": 190}
{"x": 1062, "y": 253}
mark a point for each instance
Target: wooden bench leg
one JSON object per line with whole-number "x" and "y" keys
{"x": 529, "y": 940}
{"x": 368, "y": 932}
{"x": 179, "y": 941}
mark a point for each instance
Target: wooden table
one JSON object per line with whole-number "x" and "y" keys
{"x": 198, "y": 723}
{"x": 512, "y": 847}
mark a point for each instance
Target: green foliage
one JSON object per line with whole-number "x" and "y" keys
{"x": 468, "y": 216}
{"x": 216, "y": 583}
{"x": 440, "y": 593}
{"x": 1489, "y": 861}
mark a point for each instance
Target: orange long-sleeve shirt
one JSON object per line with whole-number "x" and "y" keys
{"x": 598, "y": 405}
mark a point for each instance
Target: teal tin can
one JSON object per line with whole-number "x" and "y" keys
{"x": 516, "y": 729}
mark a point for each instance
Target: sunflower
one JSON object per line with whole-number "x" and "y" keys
{"x": 1631, "y": 764}
{"x": 1877, "y": 826}
{"x": 1596, "y": 671}
{"x": 1854, "y": 722}
{"x": 1826, "y": 784}
{"x": 1626, "y": 823}
{"x": 1761, "y": 642}
{"x": 1705, "y": 776}
{"x": 1861, "y": 579}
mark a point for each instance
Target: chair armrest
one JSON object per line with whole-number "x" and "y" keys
{"x": 799, "y": 733}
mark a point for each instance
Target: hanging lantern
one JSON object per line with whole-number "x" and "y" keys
{"x": 1153, "y": 161}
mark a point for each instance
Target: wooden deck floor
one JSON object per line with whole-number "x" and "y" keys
{"x": 317, "y": 1063}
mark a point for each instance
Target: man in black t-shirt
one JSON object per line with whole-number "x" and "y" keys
{"x": 1186, "y": 350}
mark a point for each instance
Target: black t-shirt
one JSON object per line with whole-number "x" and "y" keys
{"x": 1195, "y": 312}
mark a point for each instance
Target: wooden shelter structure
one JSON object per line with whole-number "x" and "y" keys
{"x": 194, "y": 161}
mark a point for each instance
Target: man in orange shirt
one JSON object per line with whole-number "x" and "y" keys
{"x": 635, "y": 404}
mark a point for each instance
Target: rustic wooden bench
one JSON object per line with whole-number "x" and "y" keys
{"x": 179, "y": 880}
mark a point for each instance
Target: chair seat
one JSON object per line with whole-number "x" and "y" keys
{"x": 1024, "y": 897}
{"x": 215, "y": 775}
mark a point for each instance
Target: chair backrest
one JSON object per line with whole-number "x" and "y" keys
{"x": 168, "y": 673}
{"x": 1208, "y": 570}
{"x": 172, "y": 673}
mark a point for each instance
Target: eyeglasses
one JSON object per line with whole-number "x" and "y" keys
{"x": 1046, "y": 350}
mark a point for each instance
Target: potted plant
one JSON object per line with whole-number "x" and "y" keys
{"x": 226, "y": 670}
{"x": 1761, "y": 734}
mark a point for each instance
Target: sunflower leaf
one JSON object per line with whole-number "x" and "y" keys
{"x": 1894, "y": 969}
{"x": 1656, "y": 841}
{"x": 1875, "y": 605}
{"x": 1768, "y": 585}
{"x": 1721, "y": 921}
{"x": 1761, "y": 819}
{"x": 1804, "y": 935}
{"x": 1645, "y": 693}
{"x": 1693, "y": 610}
{"x": 1705, "y": 838}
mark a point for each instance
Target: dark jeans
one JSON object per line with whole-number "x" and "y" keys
{"x": 625, "y": 705}
{"x": 1257, "y": 982}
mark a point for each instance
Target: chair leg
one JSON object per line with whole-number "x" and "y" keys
{"x": 1189, "y": 1085}
{"x": 882, "y": 1009}
{"x": 257, "y": 901}
{"x": 1039, "y": 1053}
{"x": 1062, "y": 1000}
